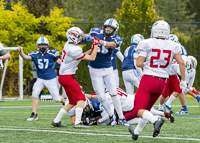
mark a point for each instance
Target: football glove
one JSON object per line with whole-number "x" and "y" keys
{"x": 183, "y": 84}
{"x": 195, "y": 91}
{"x": 88, "y": 38}
{"x": 95, "y": 41}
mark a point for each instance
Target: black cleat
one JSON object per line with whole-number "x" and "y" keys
{"x": 157, "y": 126}
{"x": 131, "y": 130}
{"x": 172, "y": 119}
{"x": 57, "y": 124}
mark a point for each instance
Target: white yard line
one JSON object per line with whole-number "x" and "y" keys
{"x": 52, "y": 131}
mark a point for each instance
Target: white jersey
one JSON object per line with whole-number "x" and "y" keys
{"x": 174, "y": 68}
{"x": 159, "y": 55}
{"x": 72, "y": 55}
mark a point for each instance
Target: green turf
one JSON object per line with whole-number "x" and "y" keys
{"x": 13, "y": 115}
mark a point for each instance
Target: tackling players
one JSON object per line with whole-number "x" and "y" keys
{"x": 101, "y": 70}
{"x": 72, "y": 56}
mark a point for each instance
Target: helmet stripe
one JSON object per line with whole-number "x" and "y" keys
{"x": 110, "y": 22}
{"x": 42, "y": 42}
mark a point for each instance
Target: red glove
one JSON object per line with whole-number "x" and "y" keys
{"x": 195, "y": 91}
{"x": 95, "y": 41}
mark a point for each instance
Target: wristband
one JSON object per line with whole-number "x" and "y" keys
{"x": 104, "y": 43}
{"x": 191, "y": 88}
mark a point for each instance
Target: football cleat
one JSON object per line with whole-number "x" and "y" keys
{"x": 182, "y": 112}
{"x": 131, "y": 130}
{"x": 168, "y": 116}
{"x": 123, "y": 122}
{"x": 157, "y": 126}
{"x": 168, "y": 109}
{"x": 112, "y": 120}
{"x": 81, "y": 126}
{"x": 33, "y": 117}
{"x": 57, "y": 124}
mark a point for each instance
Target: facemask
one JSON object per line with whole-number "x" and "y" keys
{"x": 108, "y": 33}
{"x": 42, "y": 50}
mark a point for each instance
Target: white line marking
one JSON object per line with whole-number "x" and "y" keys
{"x": 192, "y": 139}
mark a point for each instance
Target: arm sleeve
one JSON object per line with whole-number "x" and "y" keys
{"x": 120, "y": 56}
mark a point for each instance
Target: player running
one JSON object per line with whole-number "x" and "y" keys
{"x": 159, "y": 53}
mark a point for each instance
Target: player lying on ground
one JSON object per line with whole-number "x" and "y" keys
{"x": 95, "y": 114}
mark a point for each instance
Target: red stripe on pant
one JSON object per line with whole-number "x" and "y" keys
{"x": 149, "y": 91}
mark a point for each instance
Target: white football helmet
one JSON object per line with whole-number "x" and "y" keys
{"x": 136, "y": 38}
{"x": 193, "y": 61}
{"x": 42, "y": 41}
{"x": 112, "y": 23}
{"x": 160, "y": 29}
{"x": 74, "y": 35}
{"x": 187, "y": 62}
{"x": 173, "y": 38}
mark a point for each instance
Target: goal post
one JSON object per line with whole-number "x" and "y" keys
{"x": 21, "y": 95}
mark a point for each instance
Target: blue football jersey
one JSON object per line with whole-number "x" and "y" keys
{"x": 45, "y": 63}
{"x": 128, "y": 62}
{"x": 103, "y": 58}
{"x": 183, "y": 51}
{"x": 113, "y": 58}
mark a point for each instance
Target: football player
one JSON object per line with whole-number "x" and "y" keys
{"x": 159, "y": 53}
{"x": 174, "y": 38}
{"x": 3, "y": 56}
{"x": 101, "y": 70}
{"x": 72, "y": 56}
{"x": 130, "y": 72}
{"x": 95, "y": 114}
{"x": 46, "y": 76}
{"x": 190, "y": 76}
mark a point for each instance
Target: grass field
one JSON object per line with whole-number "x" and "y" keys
{"x": 15, "y": 129}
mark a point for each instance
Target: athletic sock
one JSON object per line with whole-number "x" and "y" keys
{"x": 117, "y": 106}
{"x": 160, "y": 107}
{"x": 106, "y": 106}
{"x": 198, "y": 98}
{"x": 140, "y": 126}
{"x": 184, "y": 107}
{"x": 60, "y": 115}
{"x": 156, "y": 112}
{"x": 79, "y": 112}
{"x": 170, "y": 100}
{"x": 149, "y": 116}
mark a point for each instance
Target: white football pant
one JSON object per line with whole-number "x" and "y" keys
{"x": 51, "y": 86}
{"x": 131, "y": 78}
